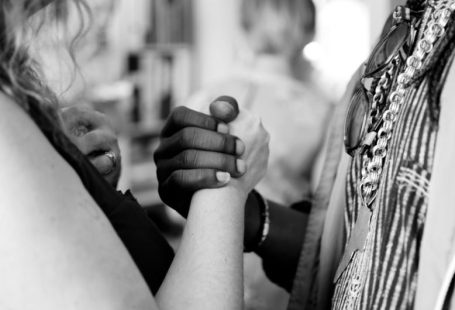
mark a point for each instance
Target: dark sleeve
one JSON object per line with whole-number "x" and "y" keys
{"x": 146, "y": 245}
{"x": 281, "y": 272}
{"x": 144, "y": 242}
{"x": 148, "y": 248}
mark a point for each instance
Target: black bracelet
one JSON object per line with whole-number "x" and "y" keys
{"x": 265, "y": 224}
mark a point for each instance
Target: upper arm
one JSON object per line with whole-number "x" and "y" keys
{"x": 57, "y": 249}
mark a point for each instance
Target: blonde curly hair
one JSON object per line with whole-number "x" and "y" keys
{"x": 20, "y": 22}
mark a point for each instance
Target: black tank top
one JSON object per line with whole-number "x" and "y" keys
{"x": 148, "y": 248}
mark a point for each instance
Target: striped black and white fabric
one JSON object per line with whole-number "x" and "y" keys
{"x": 390, "y": 259}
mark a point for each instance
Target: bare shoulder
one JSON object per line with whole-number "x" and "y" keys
{"x": 24, "y": 147}
{"x": 35, "y": 179}
{"x": 49, "y": 224}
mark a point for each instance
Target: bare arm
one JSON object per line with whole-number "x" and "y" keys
{"x": 212, "y": 247}
{"x": 213, "y": 153}
{"x": 60, "y": 252}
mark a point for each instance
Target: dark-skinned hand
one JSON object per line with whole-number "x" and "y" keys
{"x": 196, "y": 151}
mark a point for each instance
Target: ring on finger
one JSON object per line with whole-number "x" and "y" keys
{"x": 113, "y": 158}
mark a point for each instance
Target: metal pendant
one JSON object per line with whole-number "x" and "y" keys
{"x": 357, "y": 239}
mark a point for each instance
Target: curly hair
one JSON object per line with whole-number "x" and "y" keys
{"x": 20, "y": 22}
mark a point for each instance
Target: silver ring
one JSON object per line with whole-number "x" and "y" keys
{"x": 113, "y": 158}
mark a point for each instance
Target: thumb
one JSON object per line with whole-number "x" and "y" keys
{"x": 225, "y": 109}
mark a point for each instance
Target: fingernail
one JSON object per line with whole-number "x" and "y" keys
{"x": 225, "y": 108}
{"x": 223, "y": 177}
{"x": 223, "y": 128}
{"x": 241, "y": 166}
{"x": 239, "y": 147}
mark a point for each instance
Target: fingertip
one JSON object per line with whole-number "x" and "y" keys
{"x": 239, "y": 147}
{"x": 241, "y": 166}
{"x": 222, "y": 128}
{"x": 224, "y": 108}
{"x": 223, "y": 177}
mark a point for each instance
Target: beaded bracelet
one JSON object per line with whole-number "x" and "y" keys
{"x": 265, "y": 223}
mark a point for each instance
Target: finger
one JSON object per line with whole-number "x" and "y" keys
{"x": 103, "y": 164}
{"x": 193, "y": 180}
{"x": 192, "y": 159}
{"x": 225, "y": 109}
{"x": 80, "y": 119}
{"x": 200, "y": 139}
{"x": 183, "y": 117}
{"x": 97, "y": 141}
{"x": 110, "y": 169}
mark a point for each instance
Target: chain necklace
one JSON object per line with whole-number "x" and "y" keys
{"x": 359, "y": 248}
{"x": 377, "y": 141}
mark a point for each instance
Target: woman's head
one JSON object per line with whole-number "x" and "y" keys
{"x": 20, "y": 22}
{"x": 278, "y": 26}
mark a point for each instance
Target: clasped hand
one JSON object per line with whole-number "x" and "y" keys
{"x": 200, "y": 151}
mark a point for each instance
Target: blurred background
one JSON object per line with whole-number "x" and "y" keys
{"x": 286, "y": 60}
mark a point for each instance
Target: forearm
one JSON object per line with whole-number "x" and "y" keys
{"x": 208, "y": 266}
{"x": 280, "y": 251}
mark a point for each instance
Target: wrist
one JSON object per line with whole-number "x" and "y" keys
{"x": 257, "y": 222}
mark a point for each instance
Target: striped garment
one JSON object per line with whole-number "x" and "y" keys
{"x": 390, "y": 258}
{"x": 389, "y": 261}
{"x": 384, "y": 274}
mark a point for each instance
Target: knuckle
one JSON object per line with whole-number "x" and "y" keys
{"x": 187, "y": 159}
{"x": 93, "y": 138}
{"x": 222, "y": 142}
{"x": 175, "y": 179}
{"x": 185, "y": 138}
{"x": 180, "y": 110}
{"x": 208, "y": 122}
{"x": 178, "y": 114}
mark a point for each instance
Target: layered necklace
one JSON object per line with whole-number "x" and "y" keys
{"x": 432, "y": 27}
{"x": 386, "y": 102}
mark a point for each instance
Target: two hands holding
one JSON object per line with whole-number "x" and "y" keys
{"x": 197, "y": 151}
{"x": 227, "y": 149}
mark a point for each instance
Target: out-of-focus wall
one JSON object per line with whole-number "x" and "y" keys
{"x": 216, "y": 26}
{"x": 346, "y": 31}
